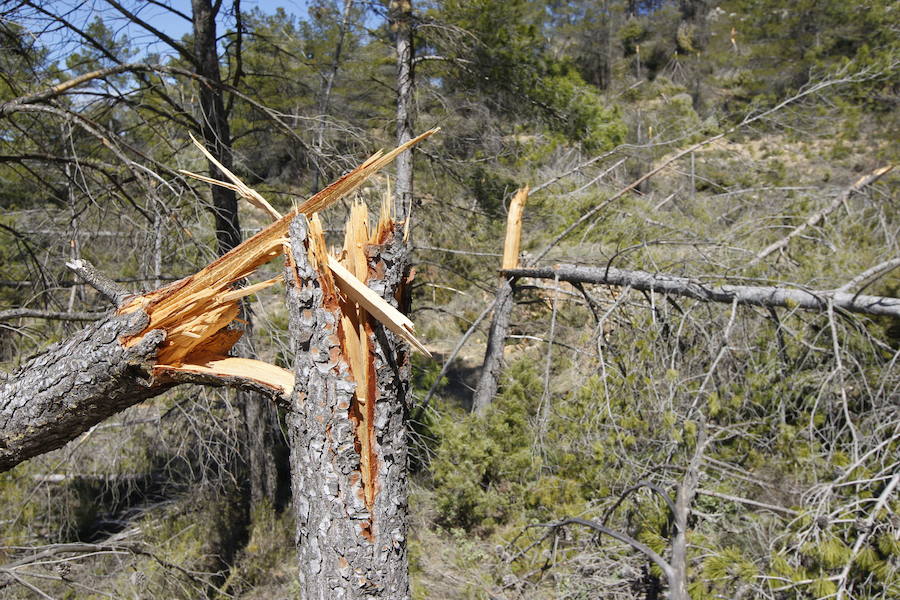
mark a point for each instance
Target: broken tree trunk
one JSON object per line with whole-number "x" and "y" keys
{"x": 347, "y": 421}
{"x": 492, "y": 367}
{"x": 181, "y": 333}
{"x": 694, "y": 288}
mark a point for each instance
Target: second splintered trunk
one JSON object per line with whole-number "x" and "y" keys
{"x": 347, "y": 424}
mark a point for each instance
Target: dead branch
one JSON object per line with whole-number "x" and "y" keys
{"x": 879, "y": 270}
{"x": 622, "y": 537}
{"x": 694, "y": 288}
{"x": 868, "y": 525}
{"x": 814, "y": 219}
{"x": 30, "y": 313}
{"x": 100, "y": 282}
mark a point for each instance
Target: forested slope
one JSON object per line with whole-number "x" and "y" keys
{"x": 636, "y": 443}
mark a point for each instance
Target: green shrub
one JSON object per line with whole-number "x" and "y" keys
{"x": 483, "y": 463}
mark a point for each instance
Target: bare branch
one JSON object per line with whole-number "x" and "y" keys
{"x": 622, "y": 537}
{"x": 438, "y": 57}
{"x": 58, "y": 90}
{"x": 864, "y": 536}
{"x": 100, "y": 282}
{"x": 698, "y": 290}
{"x": 815, "y": 218}
{"x": 879, "y": 269}
{"x": 187, "y": 54}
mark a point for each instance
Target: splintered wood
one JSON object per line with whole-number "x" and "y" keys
{"x": 197, "y": 312}
{"x": 356, "y": 342}
{"x": 514, "y": 229}
{"x": 342, "y": 277}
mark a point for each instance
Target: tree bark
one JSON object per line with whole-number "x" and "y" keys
{"x": 401, "y": 23}
{"x": 351, "y": 539}
{"x": 73, "y": 385}
{"x": 492, "y": 367}
{"x": 696, "y": 289}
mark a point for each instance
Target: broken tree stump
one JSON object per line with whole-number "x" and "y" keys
{"x": 347, "y": 421}
{"x": 492, "y": 367}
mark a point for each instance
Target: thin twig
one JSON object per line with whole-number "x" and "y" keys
{"x": 17, "y": 313}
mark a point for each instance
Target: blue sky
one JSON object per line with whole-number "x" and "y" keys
{"x": 82, "y": 12}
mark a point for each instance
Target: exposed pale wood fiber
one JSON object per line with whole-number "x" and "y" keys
{"x": 513, "y": 239}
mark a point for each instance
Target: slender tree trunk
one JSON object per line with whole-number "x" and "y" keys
{"x": 263, "y": 437}
{"x": 351, "y": 524}
{"x": 245, "y": 479}
{"x": 608, "y": 46}
{"x": 401, "y": 22}
{"x": 492, "y": 367}
{"x": 325, "y": 92}
{"x": 214, "y": 128}
{"x": 260, "y": 418}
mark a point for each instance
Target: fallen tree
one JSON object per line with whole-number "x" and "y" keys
{"x": 768, "y": 296}
{"x": 180, "y": 333}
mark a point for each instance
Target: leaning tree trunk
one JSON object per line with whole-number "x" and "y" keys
{"x": 492, "y": 367}
{"x": 348, "y": 456}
